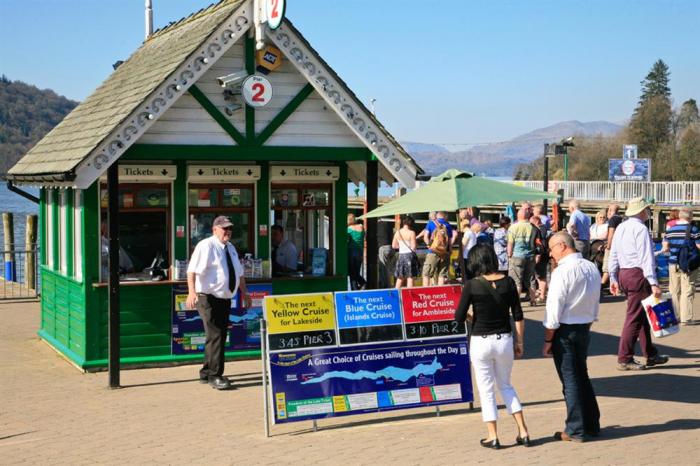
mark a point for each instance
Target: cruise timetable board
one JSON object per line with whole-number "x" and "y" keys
{"x": 372, "y": 358}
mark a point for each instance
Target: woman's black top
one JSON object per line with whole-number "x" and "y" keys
{"x": 490, "y": 317}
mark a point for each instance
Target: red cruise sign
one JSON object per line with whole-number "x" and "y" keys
{"x": 429, "y": 304}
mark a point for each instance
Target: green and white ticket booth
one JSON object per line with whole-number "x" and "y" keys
{"x": 193, "y": 137}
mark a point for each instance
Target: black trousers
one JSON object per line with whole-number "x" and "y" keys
{"x": 570, "y": 350}
{"x": 214, "y": 313}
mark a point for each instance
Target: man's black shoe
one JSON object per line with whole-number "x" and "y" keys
{"x": 204, "y": 379}
{"x": 220, "y": 383}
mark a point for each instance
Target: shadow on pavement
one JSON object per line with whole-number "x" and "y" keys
{"x": 601, "y": 343}
{"x": 616, "y": 432}
{"x": 650, "y": 386}
{"x": 236, "y": 379}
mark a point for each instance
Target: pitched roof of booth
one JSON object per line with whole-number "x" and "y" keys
{"x": 74, "y": 138}
{"x": 97, "y": 130}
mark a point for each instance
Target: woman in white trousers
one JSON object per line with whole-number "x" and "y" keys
{"x": 493, "y": 297}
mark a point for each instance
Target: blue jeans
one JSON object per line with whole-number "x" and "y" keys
{"x": 570, "y": 350}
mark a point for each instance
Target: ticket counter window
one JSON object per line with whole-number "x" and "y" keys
{"x": 144, "y": 232}
{"x": 235, "y": 201}
{"x": 304, "y": 214}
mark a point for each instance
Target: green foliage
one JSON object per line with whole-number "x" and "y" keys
{"x": 26, "y": 115}
{"x": 656, "y": 83}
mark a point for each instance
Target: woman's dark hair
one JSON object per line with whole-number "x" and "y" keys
{"x": 407, "y": 220}
{"x": 482, "y": 260}
{"x": 503, "y": 221}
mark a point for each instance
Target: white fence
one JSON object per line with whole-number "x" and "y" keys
{"x": 671, "y": 192}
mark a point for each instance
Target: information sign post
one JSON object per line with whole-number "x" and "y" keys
{"x": 329, "y": 355}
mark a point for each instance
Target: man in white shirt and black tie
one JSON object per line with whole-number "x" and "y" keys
{"x": 214, "y": 275}
{"x": 572, "y": 306}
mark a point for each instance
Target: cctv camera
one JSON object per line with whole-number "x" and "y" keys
{"x": 230, "y": 80}
{"x": 231, "y": 108}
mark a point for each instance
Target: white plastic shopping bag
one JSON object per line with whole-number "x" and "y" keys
{"x": 660, "y": 315}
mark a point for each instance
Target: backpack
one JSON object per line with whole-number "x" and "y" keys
{"x": 688, "y": 254}
{"x": 438, "y": 245}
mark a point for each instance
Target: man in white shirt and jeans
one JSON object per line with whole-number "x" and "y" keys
{"x": 214, "y": 275}
{"x": 572, "y": 306}
{"x": 632, "y": 269}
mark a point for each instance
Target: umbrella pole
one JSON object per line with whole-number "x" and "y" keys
{"x": 462, "y": 262}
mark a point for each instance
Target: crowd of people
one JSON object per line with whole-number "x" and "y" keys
{"x": 567, "y": 270}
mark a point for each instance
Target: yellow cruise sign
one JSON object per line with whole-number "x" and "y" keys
{"x": 299, "y": 313}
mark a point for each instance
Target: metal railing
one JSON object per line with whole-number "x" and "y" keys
{"x": 663, "y": 192}
{"x": 19, "y": 278}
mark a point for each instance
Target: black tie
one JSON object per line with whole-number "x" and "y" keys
{"x": 231, "y": 270}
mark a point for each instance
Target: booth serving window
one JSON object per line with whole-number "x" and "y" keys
{"x": 304, "y": 212}
{"x": 144, "y": 231}
{"x": 206, "y": 202}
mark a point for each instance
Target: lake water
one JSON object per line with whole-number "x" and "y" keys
{"x": 20, "y": 207}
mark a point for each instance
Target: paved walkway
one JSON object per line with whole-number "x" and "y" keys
{"x": 50, "y": 413}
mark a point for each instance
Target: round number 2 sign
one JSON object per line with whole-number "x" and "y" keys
{"x": 257, "y": 91}
{"x": 275, "y": 12}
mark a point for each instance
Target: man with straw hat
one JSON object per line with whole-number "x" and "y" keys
{"x": 632, "y": 269}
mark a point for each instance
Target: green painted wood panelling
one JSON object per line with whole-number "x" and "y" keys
{"x": 310, "y": 285}
{"x": 180, "y": 210}
{"x": 63, "y": 313}
{"x": 263, "y": 210}
{"x": 236, "y": 153}
{"x": 145, "y": 325}
{"x": 341, "y": 224}
{"x": 91, "y": 267}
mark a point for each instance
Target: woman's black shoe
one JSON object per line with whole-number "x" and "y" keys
{"x": 524, "y": 441}
{"x": 493, "y": 444}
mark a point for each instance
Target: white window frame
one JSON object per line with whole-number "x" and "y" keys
{"x": 78, "y": 235}
{"x": 48, "y": 230}
{"x": 62, "y": 236}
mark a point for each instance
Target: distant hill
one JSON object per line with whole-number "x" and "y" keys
{"x": 26, "y": 115}
{"x": 501, "y": 159}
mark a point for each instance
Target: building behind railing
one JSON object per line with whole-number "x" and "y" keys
{"x": 663, "y": 192}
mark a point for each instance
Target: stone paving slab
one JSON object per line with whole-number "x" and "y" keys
{"x": 53, "y": 414}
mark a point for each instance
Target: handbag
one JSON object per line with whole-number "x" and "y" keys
{"x": 662, "y": 319}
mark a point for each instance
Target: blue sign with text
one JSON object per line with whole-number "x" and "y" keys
{"x": 328, "y": 382}
{"x": 629, "y": 170}
{"x": 367, "y": 308}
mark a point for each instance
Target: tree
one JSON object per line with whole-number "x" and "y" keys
{"x": 656, "y": 83}
{"x": 688, "y": 114}
{"x": 652, "y": 122}
{"x": 686, "y": 167}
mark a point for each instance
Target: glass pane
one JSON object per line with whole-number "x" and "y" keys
{"x": 204, "y": 197}
{"x": 200, "y": 228}
{"x": 316, "y": 197}
{"x": 284, "y": 197}
{"x": 238, "y": 197}
{"x": 149, "y": 197}
{"x": 143, "y": 242}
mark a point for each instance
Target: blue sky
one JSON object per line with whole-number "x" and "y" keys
{"x": 442, "y": 71}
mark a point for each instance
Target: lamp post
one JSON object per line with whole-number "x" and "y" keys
{"x": 549, "y": 151}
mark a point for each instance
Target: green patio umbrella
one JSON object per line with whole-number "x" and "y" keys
{"x": 454, "y": 190}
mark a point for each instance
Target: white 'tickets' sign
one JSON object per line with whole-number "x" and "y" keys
{"x": 304, "y": 173}
{"x": 274, "y": 12}
{"x": 257, "y": 91}
{"x": 223, "y": 173}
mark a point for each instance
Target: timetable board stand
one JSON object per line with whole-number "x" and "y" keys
{"x": 267, "y": 381}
